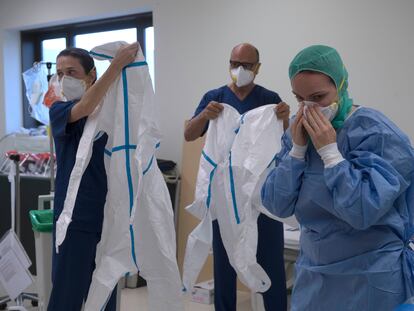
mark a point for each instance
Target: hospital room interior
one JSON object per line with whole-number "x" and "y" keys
{"x": 192, "y": 201}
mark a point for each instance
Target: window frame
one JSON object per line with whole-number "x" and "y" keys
{"x": 31, "y": 42}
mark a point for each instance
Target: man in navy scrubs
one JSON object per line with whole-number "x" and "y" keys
{"x": 243, "y": 94}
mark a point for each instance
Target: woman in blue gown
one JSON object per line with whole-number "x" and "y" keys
{"x": 347, "y": 176}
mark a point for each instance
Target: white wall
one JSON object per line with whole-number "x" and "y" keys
{"x": 193, "y": 39}
{"x": 12, "y": 90}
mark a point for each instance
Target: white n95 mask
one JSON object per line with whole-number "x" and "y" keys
{"x": 241, "y": 77}
{"x": 329, "y": 111}
{"x": 72, "y": 88}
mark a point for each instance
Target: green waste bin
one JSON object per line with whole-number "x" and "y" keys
{"x": 42, "y": 220}
{"x": 42, "y": 224}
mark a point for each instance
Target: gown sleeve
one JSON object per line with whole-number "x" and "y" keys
{"x": 377, "y": 170}
{"x": 281, "y": 188}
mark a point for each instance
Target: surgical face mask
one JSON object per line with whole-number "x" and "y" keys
{"x": 72, "y": 88}
{"x": 241, "y": 77}
{"x": 329, "y": 111}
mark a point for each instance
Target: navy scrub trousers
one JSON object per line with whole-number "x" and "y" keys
{"x": 72, "y": 270}
{"x": 269, "y": 255}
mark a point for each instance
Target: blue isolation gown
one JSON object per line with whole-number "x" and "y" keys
{"x": 356, "y": 218}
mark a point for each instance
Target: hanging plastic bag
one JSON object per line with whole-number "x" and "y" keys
{"x": 35, "y": 80}
{"x": 54, "y": 93}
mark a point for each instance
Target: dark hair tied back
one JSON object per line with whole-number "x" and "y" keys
{"x": 82, "y": 55}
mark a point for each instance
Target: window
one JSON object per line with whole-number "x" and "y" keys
{"x": 45, "y": 44}
{"x": 149, "y": 51}
{"x": 90, "y": 40}
{"x": 51, "y": 48}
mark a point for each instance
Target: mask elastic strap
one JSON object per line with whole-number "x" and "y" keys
{"x": 92, "y": 69}
{"x": 257, "y": 66}
{"x": 341, "y": 85}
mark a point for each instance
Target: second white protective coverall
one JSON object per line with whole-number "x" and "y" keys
{"x": 238, "y": 167}
{"x": 220, "y": 136}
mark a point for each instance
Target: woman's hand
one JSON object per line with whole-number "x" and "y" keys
{"x": 299, "y": 135}
{"x": 319, "y": 128}
{"x": 125, "y": 55}
{"x": 93, "y": 96}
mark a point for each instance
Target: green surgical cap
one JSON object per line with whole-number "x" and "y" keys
{"x": 326, "y": 60}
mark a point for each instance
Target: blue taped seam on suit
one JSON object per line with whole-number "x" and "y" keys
{"x": 127, "y": 159}
{"x": 209, "y": 160}
{"x": 149, "y": 166}
{"x": 126, "y": 124}
{"x": 100, "y": 55}
{"x": 233, "y": 192}
{"x": 118, "y": 148}
{"x": 124, "y": 147}
{"x": 131, "y": 230}
{"x": 209, "y": 188}
{"x": 136, "y": 64}
{"x": 152, "y": 159}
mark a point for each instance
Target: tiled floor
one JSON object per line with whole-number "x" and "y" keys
{"x": 136, "y": 300}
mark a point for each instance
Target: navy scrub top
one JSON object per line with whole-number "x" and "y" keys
{"x": 90, "y": 201}
{"x": 259, "y": 96}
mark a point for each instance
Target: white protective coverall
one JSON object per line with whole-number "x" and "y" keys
{"x": 245, "y": 151}
{"x": 138, "y": 231}
{"x": 220, "y": 136}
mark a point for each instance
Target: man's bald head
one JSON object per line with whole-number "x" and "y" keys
{"x": 245, "y": 51}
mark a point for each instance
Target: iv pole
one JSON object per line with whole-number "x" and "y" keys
{"x": 52, "y": 153}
